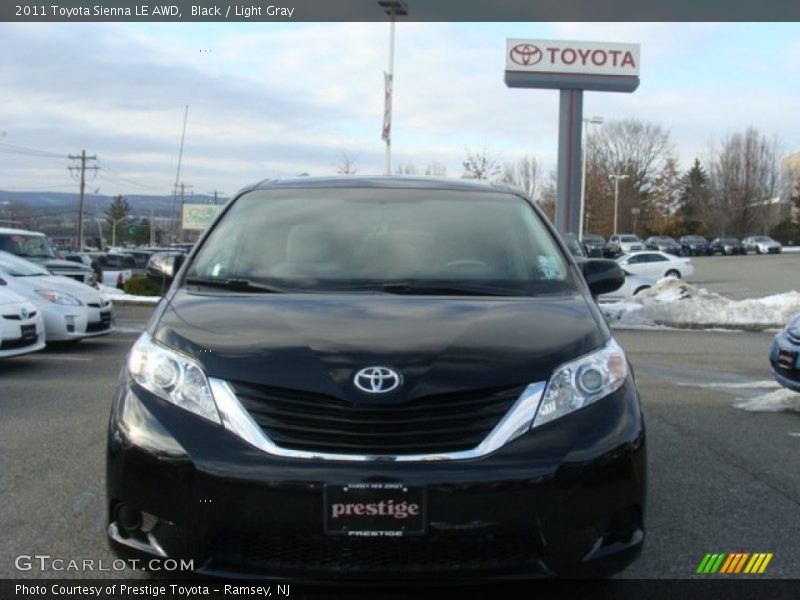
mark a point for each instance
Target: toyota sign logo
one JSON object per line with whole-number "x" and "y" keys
{"x": 24, "y": 314}
{"x": 377, "y": 380}
{"x": 526, "y": 54}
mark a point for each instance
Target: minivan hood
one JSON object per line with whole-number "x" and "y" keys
{"x": 316, "y": 343}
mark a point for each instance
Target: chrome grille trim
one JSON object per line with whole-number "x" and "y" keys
{"x": 237, "y": 420}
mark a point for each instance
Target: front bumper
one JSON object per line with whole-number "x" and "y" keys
{"x": 11, "y": 340}
{"x": 567, "y": 498}
{"x": 786, "y": 375}
{"x": 63, "y": 323}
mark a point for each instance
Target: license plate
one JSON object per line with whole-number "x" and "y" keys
{"x": 786, "y": 359}
{"x": 29, "y": 332}
{"x": 374, "y": 510}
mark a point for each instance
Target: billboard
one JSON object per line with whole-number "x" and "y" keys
{"x": 199, "y": 216}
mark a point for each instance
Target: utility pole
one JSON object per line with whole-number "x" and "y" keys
{"x": 216, "y": 192}
{"x": 83, "y": 158}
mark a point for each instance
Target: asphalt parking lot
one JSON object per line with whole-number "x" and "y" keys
{"x": 720, "y": 479}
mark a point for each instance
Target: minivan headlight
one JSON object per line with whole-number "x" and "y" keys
{"x": 585, "y": 380}
{"x": 172, "y": 377}
{"x": 59, "y": 298}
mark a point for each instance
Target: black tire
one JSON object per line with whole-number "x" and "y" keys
{"x": 673, "y": 273}
{"x": 641, "y": 289}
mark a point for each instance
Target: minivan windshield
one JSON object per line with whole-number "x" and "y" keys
{"x": 389, "y": 240}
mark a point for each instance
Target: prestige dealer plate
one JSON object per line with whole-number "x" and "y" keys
{"x": 374, "y": 510}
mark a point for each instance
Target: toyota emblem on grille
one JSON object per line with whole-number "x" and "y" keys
{"x": 24, "y": 314}
{"x": 377, "y": 380}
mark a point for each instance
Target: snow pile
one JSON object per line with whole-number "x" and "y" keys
{"x": 675, "y": 303}
{"x": 116, "y": 295}
{"x": 777, "y": 401}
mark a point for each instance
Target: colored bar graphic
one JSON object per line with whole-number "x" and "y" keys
{"x": 734, "y": 563}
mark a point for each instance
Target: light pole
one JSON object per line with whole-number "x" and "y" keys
{"x": 586, "y": 122}
{"x": 114, "y": 229}
{"x": 393, "y": 8}
{"x": 616, "y": 179}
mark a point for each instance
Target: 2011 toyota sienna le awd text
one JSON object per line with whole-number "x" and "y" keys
{"x": 379, "y": 379}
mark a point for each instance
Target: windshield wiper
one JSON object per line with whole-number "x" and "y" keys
{"x": 445, "y": 289}
{"x": 239, "y": 285}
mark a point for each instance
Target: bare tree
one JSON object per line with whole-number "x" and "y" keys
{"x": 347, "y": 166}
{"x": 481, "y": 165}
{"x": 629, "y": 147}
{"x": 435, "y": 169}
{"x": 744, "y": 179}
{"x": 524, "y": 174}
{"x": 660, "y": 211}
{"x": 547, "y": 196}
{"x": 407, "y": 169}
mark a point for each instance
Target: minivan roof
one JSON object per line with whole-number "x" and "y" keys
{"x": 398, "y": 182}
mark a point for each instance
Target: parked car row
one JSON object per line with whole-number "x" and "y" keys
{"x": 688, "y": 245}
{"x": 38, "y": 307}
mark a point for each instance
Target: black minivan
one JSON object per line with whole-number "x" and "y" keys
{"x": 378, "y": 379}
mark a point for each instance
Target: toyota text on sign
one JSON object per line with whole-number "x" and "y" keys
{"x": 593, "y": 58}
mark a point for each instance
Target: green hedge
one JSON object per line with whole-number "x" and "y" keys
{"x": 139, "y": 285}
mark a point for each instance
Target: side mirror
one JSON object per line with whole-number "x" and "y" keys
{"x": 602, "y": 275}
{"x": 162, "y": 268}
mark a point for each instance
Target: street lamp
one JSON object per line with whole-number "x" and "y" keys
{"x": 616, "y": 179}
{"x": 393, "y": 8}
{"x": 586, "y": 122}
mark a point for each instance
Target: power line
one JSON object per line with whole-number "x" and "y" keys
{"x": 29, "y": 151}
{"x": 115, "y": 174}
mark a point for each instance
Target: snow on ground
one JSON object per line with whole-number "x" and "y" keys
{"x": 118, "y": 295}
{"x": 791, "y": 249}
{"x": 779, "y": 400}
{"x": 676, "y": 303}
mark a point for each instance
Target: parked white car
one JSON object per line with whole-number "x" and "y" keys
{"x": 626, "y": 242}
{"x": 653, "y": 263}
{"x": 114, "y": 268}
{"x": 71, "y": 310}
{"x": 761, "y": 244}
{"x": 21, "y": 325}
{"x": 632, "y": 286}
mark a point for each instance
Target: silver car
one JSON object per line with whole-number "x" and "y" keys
{"x": 71, "y": 310}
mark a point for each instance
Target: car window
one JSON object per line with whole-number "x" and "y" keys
{"x": 656, "y": 258}
{"x": 312, "y": 239}
{"x": 26, "y": 245}
{"x": 635, "y": 260}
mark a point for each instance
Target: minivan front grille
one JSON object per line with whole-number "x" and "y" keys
{"x": 431, "y": 424}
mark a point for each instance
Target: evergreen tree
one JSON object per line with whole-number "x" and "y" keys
{"x": 694, "y": 197}
{"x": 117, "y": 215}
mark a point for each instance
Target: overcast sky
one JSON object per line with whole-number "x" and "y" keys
{"x": 270, "y": 100}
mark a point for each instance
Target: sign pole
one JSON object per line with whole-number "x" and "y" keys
{"x": 570, "y": 123}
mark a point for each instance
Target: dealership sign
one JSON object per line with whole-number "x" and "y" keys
{"x": 602, "y": 66}
{"x": 571, "y": 67}
{"x": 199, "y": 216}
